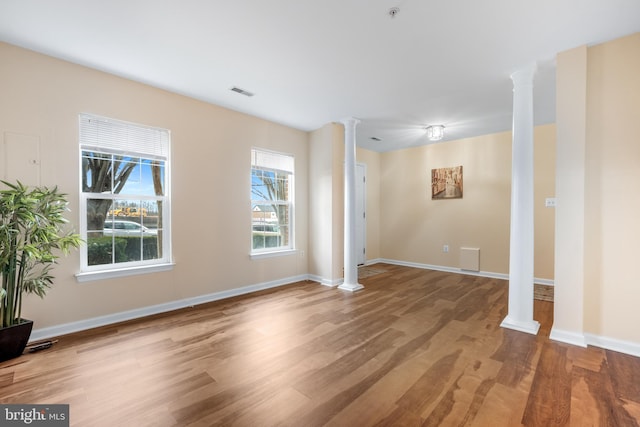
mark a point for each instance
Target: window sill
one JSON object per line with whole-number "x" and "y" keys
{"x": 285, "y": 252}
{"x": 89, "y": 276}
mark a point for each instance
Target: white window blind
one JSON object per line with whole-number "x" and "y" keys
{"x": 119, "y": 137}
{"x": 270, "y": 160}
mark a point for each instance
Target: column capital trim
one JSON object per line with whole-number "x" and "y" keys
{"x": 524, "y": 75}
{"x": 349, "y": 121}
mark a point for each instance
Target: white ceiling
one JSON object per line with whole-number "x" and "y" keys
{"x": 313, "y": 62}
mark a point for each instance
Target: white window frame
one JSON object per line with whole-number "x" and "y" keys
{"x": 278, "y": 162}
{"x": 121, "y": 138}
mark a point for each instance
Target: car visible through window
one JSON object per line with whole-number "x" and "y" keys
{"x": 126, "y": 228}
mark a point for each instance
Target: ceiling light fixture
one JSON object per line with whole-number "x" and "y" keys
{"x": 435, "y": 132}
{"x": 393, "y": 12}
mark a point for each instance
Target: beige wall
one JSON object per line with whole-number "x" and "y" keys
{"x": 612, "y": 201}
{"x": 544, "y": 187}
{"x": 414, "y": 227}
{"x": 41, "y": 99}
{"x": 337, "y": 141}
{"x": 571, "y": 95}
{"x": 597, "y": 228}
{"x": 325, "y": 205}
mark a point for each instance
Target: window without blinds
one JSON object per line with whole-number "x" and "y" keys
{"x": 271, "y": 201}
{"x": 124, "y": 197}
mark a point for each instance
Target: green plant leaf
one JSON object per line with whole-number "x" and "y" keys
{"x": 31, "y": 236}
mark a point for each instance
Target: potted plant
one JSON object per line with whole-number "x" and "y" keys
{"x": 31, "y": 236}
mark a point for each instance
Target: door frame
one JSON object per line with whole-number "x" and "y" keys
{"x": 361, "y": 213}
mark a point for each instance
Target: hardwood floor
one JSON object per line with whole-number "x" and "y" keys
{"x": 415, "y": 348}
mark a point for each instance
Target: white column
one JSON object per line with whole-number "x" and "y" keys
{"x": 520, "y": 312}
{"x": 350, "y": 261}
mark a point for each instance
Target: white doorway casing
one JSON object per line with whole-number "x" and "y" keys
{"x": 361, "y": 213}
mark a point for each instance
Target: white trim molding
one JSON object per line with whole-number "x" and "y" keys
{"x": 351, "y": 287}
{"x": 272, "y": 254}
{"x": 95, "y": 322}
{"x": 88, "y": 276}
{"x": 547, "y": 282}
{"x": 568, "y": 337}
{"x": 488, "y": 274}
{"x": 613, "y": 344}
{"x": 584, "y": 340}
{"x": 530, "y": 327}
{"x": 325, "y": 282}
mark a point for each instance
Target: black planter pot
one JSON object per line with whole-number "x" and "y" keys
{"x": 14, "y": 339}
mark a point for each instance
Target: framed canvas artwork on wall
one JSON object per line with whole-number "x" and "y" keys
{"x": 446, "y": 183}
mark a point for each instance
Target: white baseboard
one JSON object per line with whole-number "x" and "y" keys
{"x": 584, "y": 340}
{"x": 489, "y": 274}
{"x": 568, "y": 337}
{"x": 581, "y": 340}
{"x": 446, "y": 269}
{"x": 627, "y": 347}
{"x": 82, "y": 325}
{"x": 325, "y": 282}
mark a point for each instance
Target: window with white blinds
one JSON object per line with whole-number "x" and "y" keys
{"x": 124, "y": 196}
{"x": 272, "y": 161}
{"x": 109, "y": 135}
{"x": 271, "y": 201}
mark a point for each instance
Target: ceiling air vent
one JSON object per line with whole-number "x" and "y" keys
{"x": 241, "y": 91}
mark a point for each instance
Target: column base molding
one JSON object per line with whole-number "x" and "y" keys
{"x": 351, "y": 287}
{"x": 530, "y": 327}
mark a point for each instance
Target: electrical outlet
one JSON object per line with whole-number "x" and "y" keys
{"x": 445, "y": 249}
{"x": 550, "y": 202}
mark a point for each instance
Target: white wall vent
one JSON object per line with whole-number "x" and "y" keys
{"x": 470, "y": 259}
{"x": 241, "y": 91}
